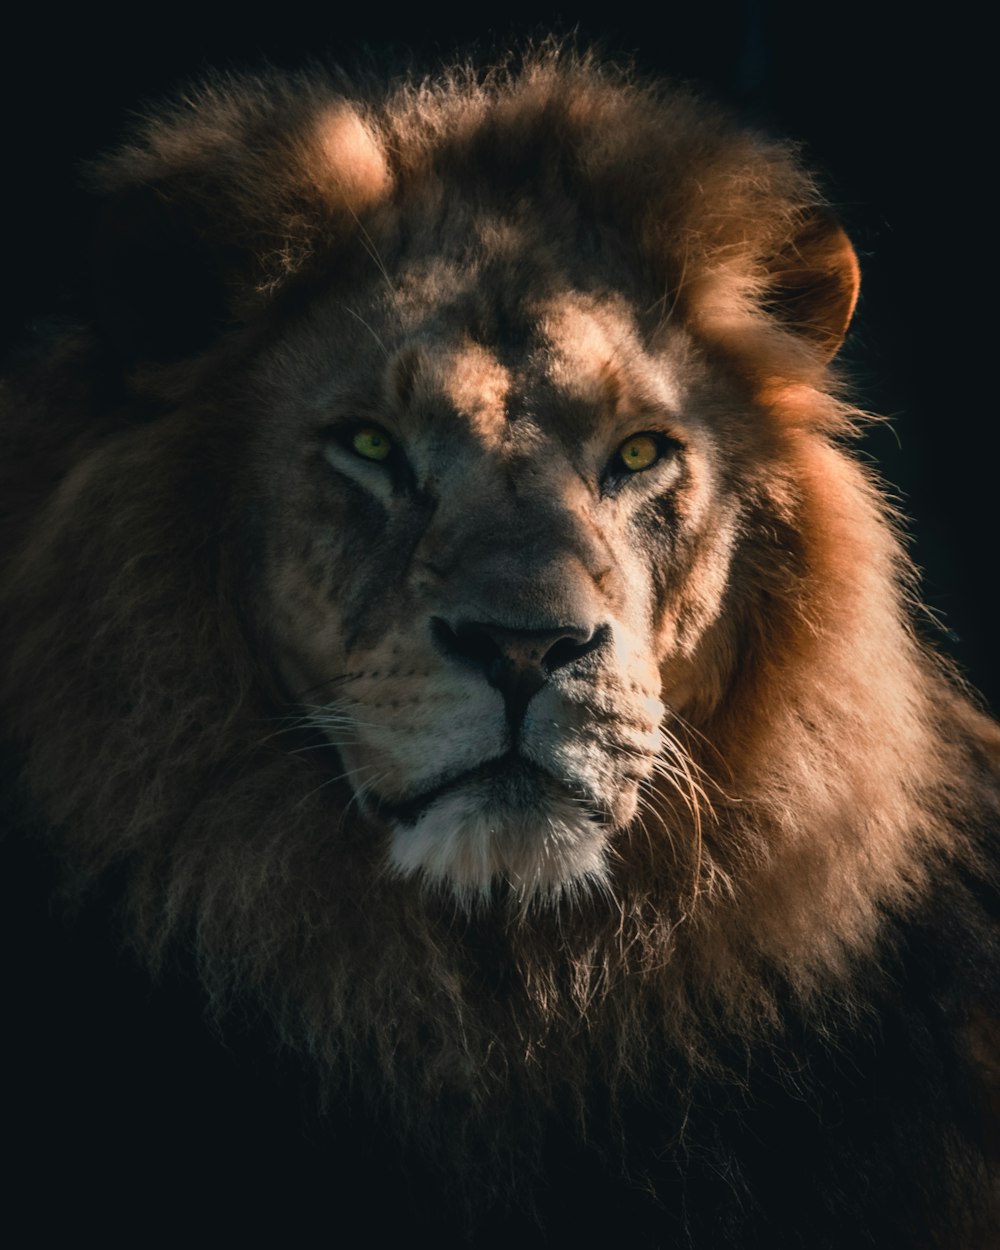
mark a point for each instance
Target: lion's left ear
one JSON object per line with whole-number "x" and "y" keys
{"x": 814, "y": 282}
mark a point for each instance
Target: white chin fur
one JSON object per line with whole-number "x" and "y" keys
{"x": 461, "y": 842}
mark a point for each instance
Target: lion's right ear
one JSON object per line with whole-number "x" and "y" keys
{"x": 814, "y": 282}
{"x": 219, "y": 202}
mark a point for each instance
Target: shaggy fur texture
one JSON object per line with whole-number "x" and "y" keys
{"x": 758, "y": 1006}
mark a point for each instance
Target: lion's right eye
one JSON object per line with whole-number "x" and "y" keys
{"x": 371, "y": 443}
{"x": 373, "y": 459}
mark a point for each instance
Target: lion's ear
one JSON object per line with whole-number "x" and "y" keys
{"x": 814, "y": 282}
{"x": 217, "y": 205}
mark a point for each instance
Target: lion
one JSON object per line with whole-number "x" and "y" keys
{"x": 443, "y": 609}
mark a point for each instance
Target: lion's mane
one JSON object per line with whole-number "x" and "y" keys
{"x": 805, "y": 919}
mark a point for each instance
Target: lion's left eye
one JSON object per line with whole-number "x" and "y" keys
{"x": 641, "y": 451}
{"x": 638, "y": 452}
{"x": 371, "y": 443}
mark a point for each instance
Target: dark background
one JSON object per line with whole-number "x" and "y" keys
{"x": 893, "y": 108}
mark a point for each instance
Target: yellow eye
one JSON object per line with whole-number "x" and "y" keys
{"x": 371, "y": 443}
{"x": 639, "y": 452}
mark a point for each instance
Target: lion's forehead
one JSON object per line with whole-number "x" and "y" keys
{"x": 579, "y": 353}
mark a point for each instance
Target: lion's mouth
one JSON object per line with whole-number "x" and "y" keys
{"x": 507, "y": 819}
{"x": 512, "y": 783}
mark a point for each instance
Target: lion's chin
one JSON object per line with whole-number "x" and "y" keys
{"x": 514, "y": 825}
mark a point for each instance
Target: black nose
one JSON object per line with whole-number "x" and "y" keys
{"x": 517, "y": 662}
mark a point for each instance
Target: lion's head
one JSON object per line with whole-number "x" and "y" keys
{"x": 514, "y": 491}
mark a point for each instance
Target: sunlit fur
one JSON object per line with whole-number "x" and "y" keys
{"x": 817, "y": 769}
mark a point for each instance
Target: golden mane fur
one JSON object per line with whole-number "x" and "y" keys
{"x": 824, "y": 771}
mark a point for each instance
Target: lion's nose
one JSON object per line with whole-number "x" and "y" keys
{"x": 517, "y": 662}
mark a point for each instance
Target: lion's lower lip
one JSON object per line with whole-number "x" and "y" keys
{"x": 520, "y": 777}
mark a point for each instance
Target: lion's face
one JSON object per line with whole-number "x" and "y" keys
{"x": 497, "y": 530}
